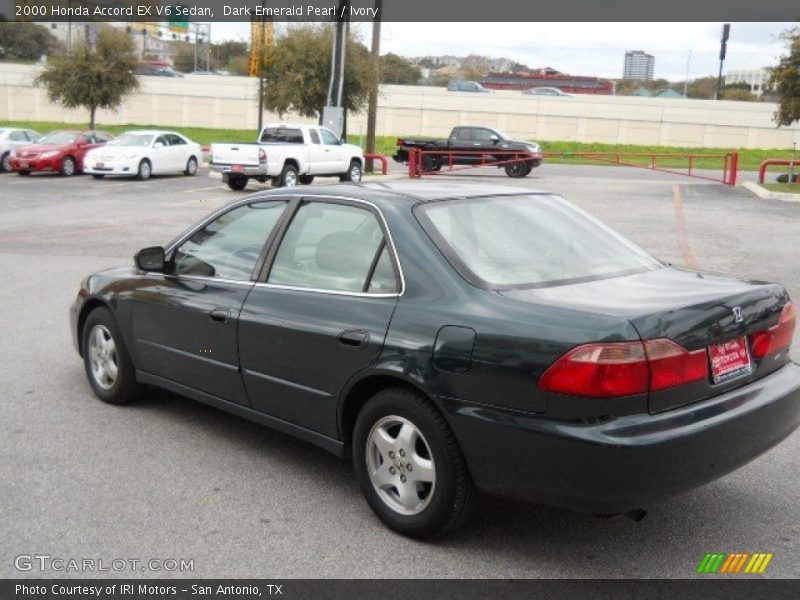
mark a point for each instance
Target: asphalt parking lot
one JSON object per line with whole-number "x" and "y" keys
{"x": 170, "y": 478}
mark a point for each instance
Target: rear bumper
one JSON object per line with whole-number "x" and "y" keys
{"x": 247, "y": 171}
{"x": 626, "y": 463}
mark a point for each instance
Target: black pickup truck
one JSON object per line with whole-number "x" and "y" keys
{"x": 479, "y": 145}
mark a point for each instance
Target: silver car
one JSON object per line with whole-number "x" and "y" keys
{"x": 10, "y": 140}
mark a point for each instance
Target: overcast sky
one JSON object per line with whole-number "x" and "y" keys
{"x": 577, "y": 48}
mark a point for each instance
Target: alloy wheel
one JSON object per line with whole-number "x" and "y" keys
{"x": 103, "y": 357}
{"x": 400, "y": 465}
{"x": 290, "y": 179}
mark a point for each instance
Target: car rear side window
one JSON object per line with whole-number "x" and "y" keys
{"x": 281, "y": 135}
{"x": 333, "y": 247}
{"x": 520, "y": 241}
{"x": 174, "y": 140}
{"x": 229, "y": 246}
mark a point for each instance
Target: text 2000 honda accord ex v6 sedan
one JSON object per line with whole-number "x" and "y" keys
{"x": 452, "y": 340}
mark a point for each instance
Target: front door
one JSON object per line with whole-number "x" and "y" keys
{"x": 185, "y": 323}
{"x": 322, "y": 314}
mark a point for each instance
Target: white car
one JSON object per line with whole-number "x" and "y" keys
{"x": 287, "y": 154}
{"x": 144, "y": 153}
{"x": 10, "y": 140}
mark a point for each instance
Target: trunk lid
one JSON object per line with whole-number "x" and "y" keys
{"x": 695, "y": 310}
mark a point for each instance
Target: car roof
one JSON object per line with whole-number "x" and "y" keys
{"x": 410, "y": 192}
{"x": 151, "y": 131}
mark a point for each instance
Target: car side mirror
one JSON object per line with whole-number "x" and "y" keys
{"x": 150, "y": 259}
{"x": 158, "y": 145}
{"x": 494, "y": 138}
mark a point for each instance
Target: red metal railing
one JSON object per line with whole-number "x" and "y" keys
{"x": 419, "y": 165}
{"x": 382, "y": 158}
{"x": 762, "y": 169}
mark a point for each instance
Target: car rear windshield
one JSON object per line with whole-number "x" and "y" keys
{"x": 524, "y": 241}
{"x": 132, "y": 139}
{"x": 281, "y": 135}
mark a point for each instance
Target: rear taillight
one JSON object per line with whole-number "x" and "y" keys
{"x": 262, "y": 156}
{"x": 776, "y": 338}
{"x": 671, "y": 365}
{"x": 623, "y": 369}
{"x": 599, "y": 371}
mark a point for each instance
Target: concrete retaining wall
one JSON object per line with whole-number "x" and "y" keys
{"x": 230, "y": 102}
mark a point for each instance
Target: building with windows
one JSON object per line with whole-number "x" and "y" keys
{"x": 756, "y": 79}
{"x": 639, "y": 65}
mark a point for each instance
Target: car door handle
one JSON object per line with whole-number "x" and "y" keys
{"x": 221, "y": 315}
{"x": 354, "y": 339}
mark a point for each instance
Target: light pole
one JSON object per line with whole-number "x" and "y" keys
{"x": 686, "y": 81}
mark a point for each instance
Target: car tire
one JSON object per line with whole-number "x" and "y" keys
{"x": 144, "y": 170}
{"x": 517, "y": 170}
{"x": 353, "y": 173}
{"x": 191, "y": 167}
{"x": 237, "y": 182}
{"x": 98, "y": 175}
{"x": 5, "y": 163}
{"x": 68, "y": 167}
{"x": 287, "y": 178}
{"x": 306, "y": 179}
{"x": 24, "y": 173}
{"x": 437, "y": 497}
{"x": 106, "y": 360}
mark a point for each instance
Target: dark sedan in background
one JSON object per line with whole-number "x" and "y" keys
{"x": 452, "y": 339}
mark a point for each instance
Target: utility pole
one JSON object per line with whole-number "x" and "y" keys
{"x": 333, "y": 113}
{"x": 726, "y": 30}
{"x": 372, "y": 102}
{"x": 686, "y": 81}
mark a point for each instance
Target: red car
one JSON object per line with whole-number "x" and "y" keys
{"x": 59, "y": 151}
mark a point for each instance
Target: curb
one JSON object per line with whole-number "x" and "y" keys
{"x": 765, "y": 194}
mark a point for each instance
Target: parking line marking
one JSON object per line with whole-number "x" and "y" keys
{"x": 203, "y": 189}
{"x": 680, "y": 229}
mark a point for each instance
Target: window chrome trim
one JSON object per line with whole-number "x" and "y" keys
{"x": 310, "y": 197}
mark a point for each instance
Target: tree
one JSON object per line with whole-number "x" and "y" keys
{"x": 474, "y": 67}
{"x": 702, "y": 87}
{"x": 183, "y": 60}
{"x": 225, "y": 52}
{"x": 399, "y": 70}
{"x": 298, "y": 78}
{"x": 737, "y": 93}
{"x": 239, "y": 65}
{"x": 785, "y": 80}
{"x": 25, "y": 41}
{"x": 92, "y": 77}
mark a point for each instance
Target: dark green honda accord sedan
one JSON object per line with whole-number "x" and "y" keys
{"x": 453, "y": 339}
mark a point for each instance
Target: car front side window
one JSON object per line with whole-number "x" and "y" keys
{"x": 333, "y": 247}
{"x": 229, "y": 246}
{"x": 328, "y": 138}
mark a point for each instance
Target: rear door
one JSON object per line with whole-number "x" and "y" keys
{"x": 178, "y": 152}
{"x": 185, "y": 320}
{"x": 321, "y": 315}
{"x": 463, "y": 138}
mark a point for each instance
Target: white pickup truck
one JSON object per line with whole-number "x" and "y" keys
{"x": 287, "y": 155}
